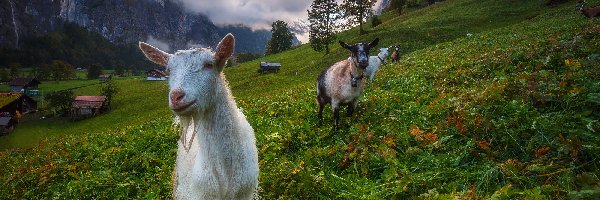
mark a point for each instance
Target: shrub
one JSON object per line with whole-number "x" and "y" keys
{"x": 375, "y": 21}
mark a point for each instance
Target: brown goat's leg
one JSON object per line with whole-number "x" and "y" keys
{"x": 336, "y": 117}
{"x": 320, "y": 114}
{"x": 350, "y": 110}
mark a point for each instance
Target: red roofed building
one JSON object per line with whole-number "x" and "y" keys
{"x": 86, "y": 106}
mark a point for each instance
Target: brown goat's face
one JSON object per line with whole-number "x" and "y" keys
{"x": 360, "y": 52}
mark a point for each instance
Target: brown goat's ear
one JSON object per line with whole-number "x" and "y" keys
{"x": 374, "y": 43}
{"x": 224, "y": 50}
{"x": 343, "y": 44}
{"x": 154, "y": 54}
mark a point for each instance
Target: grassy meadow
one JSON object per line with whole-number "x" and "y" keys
{"x": 492, "y": 100}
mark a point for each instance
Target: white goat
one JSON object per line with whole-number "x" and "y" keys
{"x": 375, "y": 62}
{"x": 216, "y": 154}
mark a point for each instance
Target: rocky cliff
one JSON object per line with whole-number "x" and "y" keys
{"x": 162, "y": 22}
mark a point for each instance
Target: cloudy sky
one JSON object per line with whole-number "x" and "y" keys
{"x": 255, "y": 13}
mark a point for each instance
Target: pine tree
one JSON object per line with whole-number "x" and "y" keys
{"x": 323, "y": 16}
{"x": 357, "y": 11}
{"x": 281, "y": 38}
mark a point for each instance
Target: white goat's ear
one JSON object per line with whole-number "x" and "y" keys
{"x": 224, "y": 50}
{"x": 154, "y": 54}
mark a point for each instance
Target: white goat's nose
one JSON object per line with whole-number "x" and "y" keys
{"x": 176, "y": 96}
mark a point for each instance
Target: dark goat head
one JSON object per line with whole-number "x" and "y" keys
{"x": 360, "y": 52}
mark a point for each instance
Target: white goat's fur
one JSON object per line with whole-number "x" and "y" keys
{"x": 375, "y": 62}
{"x": 216, "y": 154}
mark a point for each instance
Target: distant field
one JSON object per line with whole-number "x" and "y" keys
{"x": 51, "y": 86}
{"x": 136, "y": 102}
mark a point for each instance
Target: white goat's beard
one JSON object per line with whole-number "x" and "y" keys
{"x": 187, "y": 127}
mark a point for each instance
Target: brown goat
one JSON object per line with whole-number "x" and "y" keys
{"x": 396, "y": 55}
{"x": 342, "y": 83}
{"x": 589, "y": 12}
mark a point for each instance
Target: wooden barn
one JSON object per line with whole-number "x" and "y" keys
{"x": 268, "y": 67}
{"x": 28, "y": 86}
{"x": 156, "y": 75}
{"x": 104, "y": 77}
{"x": 87, "y": 106}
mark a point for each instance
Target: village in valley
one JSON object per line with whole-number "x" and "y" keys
{"x": 21, "y": 98}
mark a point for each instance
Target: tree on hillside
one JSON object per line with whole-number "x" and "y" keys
{"x": 4, "y": 75}
{"x": 397, "y": 5}
{"x": 120, "y": 70}
{"x": 44, "y": 72}
{"x": 323, "y": 15}
{"x": 281, "y": 38}
{"x": 246, "y": 56}
{"x": 375, "y": 21}
{"x": 58, "y": 102}
{"x": 94, "y": 71}
{"x": 109, "y": 90}
{"x": 62, "y": 70}
{"x": 357, "y": 11}
{"x": 15, "y": 70}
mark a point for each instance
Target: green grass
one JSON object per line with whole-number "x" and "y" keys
{"x": 508, "y": 113}
{"x": 138, "y": 100}
{"x": 51, "y": 86}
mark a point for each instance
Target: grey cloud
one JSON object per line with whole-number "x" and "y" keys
{"x": 255, "y": 13}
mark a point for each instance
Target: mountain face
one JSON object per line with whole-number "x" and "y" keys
{"x": 160, "y": 22}
{"x": 246, "y": 39}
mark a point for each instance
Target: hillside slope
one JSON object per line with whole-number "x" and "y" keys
{"x": 509, "y": 112}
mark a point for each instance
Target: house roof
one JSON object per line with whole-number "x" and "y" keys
{"x": 90, "y": 98}
{"x": 23, "y": 82}
{"x": 7, "y": 98}
{"x": 270, "y": 64}
{"x": 156, "y": 72}
{"x": 88, "y": 102}
{"x": 104, "y": 76}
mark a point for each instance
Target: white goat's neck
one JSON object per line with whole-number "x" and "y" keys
{"x": 214, "y": 121}
{"x": 382, "y": 55}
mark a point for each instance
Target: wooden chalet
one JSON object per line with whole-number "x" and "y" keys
{"x": 156, "y": 75}
{"x": 87, "y": 106}
{"x": 28, "y": 86}
{"x": 268, "y": 67}
{"x": 12, "y": 107}
{"x": 16, "y": 103}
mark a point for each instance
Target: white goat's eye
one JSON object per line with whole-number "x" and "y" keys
{"x": 208, "y": 65}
